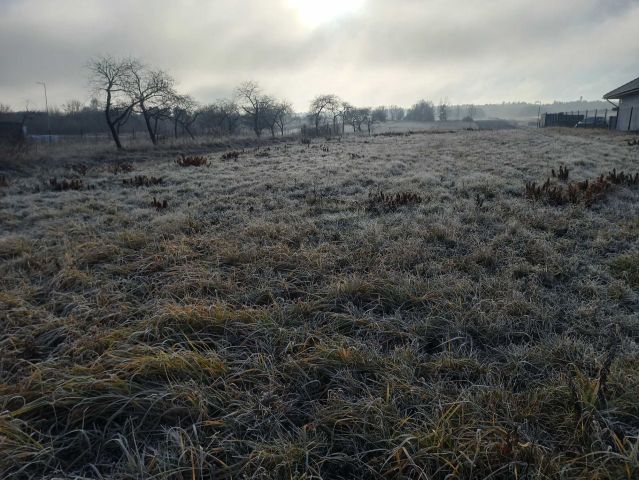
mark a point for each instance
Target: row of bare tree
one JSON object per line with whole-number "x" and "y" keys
{"x": 126, "y": 87}
{"x": 329, "y": 112}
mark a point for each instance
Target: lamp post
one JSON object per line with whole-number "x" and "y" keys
{"x": 46, "y": 105}
{"x": 538, "y": 114}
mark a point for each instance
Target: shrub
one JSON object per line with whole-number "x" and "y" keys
{"x": 160, "y": 205}
{"x": 232, "y": 155}
{"x": 142, "y": 181}
{"x": 79, "y": 168}
{"x": 563, "y": 173}
{"x": 587, "y": 192}
{"x": 192, "y": 161}
{"x": 121, "y": 167}
{"x": 59, "y": 186}
{"x": 388, "y": 202}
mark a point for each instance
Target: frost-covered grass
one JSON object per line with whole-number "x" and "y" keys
{"x": 270, "y": 324}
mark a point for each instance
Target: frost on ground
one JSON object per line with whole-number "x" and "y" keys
{"x": 275, "y": 319}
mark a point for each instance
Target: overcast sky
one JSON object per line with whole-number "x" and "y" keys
{"x": 369, "y": 52}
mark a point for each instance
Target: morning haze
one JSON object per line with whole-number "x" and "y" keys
{"x": 369, "y": 51}
{"x": 319, "y": 240}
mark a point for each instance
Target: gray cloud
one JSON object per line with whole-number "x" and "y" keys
{"x": 390, "y": 51}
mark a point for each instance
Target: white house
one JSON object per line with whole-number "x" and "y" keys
{"x": 628, "y": 107}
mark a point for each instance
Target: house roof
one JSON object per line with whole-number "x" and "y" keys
{"x": 627, "y": 89}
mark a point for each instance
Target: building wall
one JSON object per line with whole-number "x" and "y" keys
{"x": 626, "y": 106}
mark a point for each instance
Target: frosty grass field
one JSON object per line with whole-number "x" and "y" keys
{"x": 392, "y": 306}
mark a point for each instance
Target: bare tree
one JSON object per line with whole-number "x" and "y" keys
{"x": 284, "y": 115}
{"x": 336, "y": 110}
{"x": 347, "y": 110}
{"x": 472, "y": 112}
{"x": 160, "y": 112}
{"x": 123, "y": 111}
{"x": 222, "y": 116}
{"x": 185, "y": 114}
{"x": 5, "y": 108}
{"x": 278, "y": 115}
{"x": 443, "y": 110}
{"x": 110, "y": 77}
{"x": 369, "y": 118}
{"x": 153, "y": 94}
{"x": 72, "y": 107}
{"x": 255, "y": 105}
{"x": 356, "y": 116}
{"x": 231, "y": 116}
{"x": 396, "y": 113}
{"x": 380, "y": 114}
{"x": 322, "y": 104}
{"x": 94, "y": 105}
{"x": 422, "y": 111}
{"x": 270, "y": 111}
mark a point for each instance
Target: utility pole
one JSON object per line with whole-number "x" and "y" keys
{"x": 46, "y": 105}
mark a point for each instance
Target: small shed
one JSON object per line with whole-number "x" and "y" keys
{"x": 628, "y": 106}
{"x": 12, "y": 133}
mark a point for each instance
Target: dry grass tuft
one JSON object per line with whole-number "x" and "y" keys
{"x": 379, "y": 201}
{"x": 142, "y": 181}
{"x": 627, "y": 268}
{"x": 232, "y": 155}
{"x": 587, "y": 192}
{"x": 622, "y": 178}
{"x": 191, "y": 160}
{"x": 13, "y": 246}
{"x": 120, "y": 167}
{"x": 65, "y": 184}
{"x": 79, "y": 168}
{"x": 160, "y": 205}
{"x": 562, "y": 174}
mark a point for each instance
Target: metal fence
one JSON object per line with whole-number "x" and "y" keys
{"x": 560, "y": 119}
{"x": 585, "y": 118}
{"x": 628, "y": 119}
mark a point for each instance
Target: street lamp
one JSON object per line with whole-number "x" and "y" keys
{"x": 538, "y": 114}
{"x": 46, "y": 104}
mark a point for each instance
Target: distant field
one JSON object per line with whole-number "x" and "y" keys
{"x": 286, "y": 314}
{"x": 418, "y": 126}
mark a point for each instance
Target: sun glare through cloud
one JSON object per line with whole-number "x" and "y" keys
{"x": 314, "y": 13}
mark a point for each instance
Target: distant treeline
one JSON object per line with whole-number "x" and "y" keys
{"x": 131, "y": 98}
{"x": 224, "y": 117}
